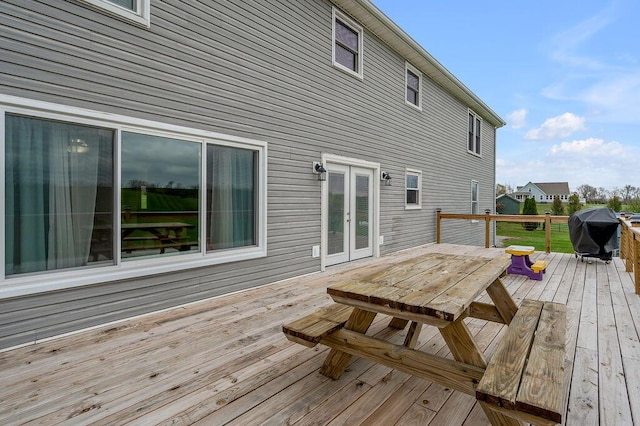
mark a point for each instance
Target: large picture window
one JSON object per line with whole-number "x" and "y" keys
{"x": 91, "y": 194}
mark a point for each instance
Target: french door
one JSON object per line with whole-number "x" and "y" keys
{"x": 350, "y": 213}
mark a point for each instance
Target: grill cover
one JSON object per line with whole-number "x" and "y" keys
{"x": 593, "y": 232}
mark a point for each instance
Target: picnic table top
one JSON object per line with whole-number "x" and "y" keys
{"x": 436, "y": 285}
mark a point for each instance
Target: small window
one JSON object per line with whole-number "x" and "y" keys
{"x": 473, "y": 143}
{"x": 347, "y": 44}
{"x": 475, "y": 190}
{"x": 137, "y": 11}
{"x": 413, "y": 189}
{"x": 413, "y": 86}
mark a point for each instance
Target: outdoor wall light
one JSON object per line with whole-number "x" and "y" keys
{"x": 320, "y": 171}
{"x": 386, "y": 178}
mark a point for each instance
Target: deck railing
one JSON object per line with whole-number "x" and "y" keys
{"x": 630, "y": 249}
{"x": 629, "y": 235}
{"x": 487, "y": 217}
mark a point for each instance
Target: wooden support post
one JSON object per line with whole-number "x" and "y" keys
{"x": 487, "y": 228}
{"x": 438, "y": 223}
{"x": 547, "y": 231}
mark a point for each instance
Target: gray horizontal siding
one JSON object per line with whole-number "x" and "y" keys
{"x": 260, "y": 70}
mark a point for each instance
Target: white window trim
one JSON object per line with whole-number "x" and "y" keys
{"x": 476, "y": 117}
{"x": 16, "y": 286}
{"x": 414, "y": 70}
{"x": 355, "y": 27}
{"x": 142, "y": 17}
{"x": 419, "y": 174}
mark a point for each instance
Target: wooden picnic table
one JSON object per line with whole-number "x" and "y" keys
{"x": 438, "y": 290}
{"x": 157, "y": 232}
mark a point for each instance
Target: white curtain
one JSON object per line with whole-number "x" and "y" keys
{"x": 231, "y": 191}
{"x": 51, "y": 180}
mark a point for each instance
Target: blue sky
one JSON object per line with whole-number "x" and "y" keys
{"x": 564, "y": 75}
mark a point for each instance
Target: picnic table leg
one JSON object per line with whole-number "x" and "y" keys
{"x": 411, "y": 340}
{"x": 398, "y": 323}
{"x": 502, "y": 300}
{"x": 337, "y": 361}
{"x": 464, "y": 349}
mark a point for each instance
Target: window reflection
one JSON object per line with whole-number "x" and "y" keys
{"x": 159, "y": 196}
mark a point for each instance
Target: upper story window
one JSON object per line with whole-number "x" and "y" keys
{"x": 475, "y": 193}
{"x": 413, "y": 187}
{"x": 473, "y": 142}
{"x": 413, "y": 86}
{"x": 347, "y": 44}
{"x": 137, "y": 11}
{"x": 88, "y": 195}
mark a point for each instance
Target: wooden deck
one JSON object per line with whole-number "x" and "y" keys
{"x": 226, "y": 360}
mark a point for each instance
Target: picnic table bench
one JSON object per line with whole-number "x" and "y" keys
{"x": 522, "y": 381}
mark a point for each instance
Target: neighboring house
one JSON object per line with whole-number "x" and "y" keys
{"x": 163, "y": 152}
{"x": 543, "y": 192}
{"x": 506, "y": 204}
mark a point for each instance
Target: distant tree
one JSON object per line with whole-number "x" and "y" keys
{"x": 615, "y": 204}
{"x": 588, "y": 192}
{"x": 500, "y": 189}
{"x": 627, "y": 192}
{"x": 499, "y": 207}
{"x": 557, "y": 209}
{"x": 530, "y": 208}
{"x": 574, "y": 203}
{"x": 602, "y": 195}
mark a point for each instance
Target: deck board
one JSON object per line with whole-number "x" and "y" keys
{"x": 226, "y": 360}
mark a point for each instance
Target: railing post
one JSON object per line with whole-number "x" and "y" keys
{"x": 487, "y": 228}
{"x": 636, "y": 260}
{"x": 438, "y": 219}
{"x": 623, "y": 240}
{"x": 547, "y": 231}
{"x": 630, "y": 251}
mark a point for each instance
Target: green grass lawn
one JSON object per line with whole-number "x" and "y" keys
{"x": 515, "y": 234}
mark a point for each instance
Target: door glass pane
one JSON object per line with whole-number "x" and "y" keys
{"x": 58, "y": 195}
{"x": 362, "y": 212}
{"x": 160, "y": 195}
{"x": 336, "y": 213}
{"x": 231, "y": 197}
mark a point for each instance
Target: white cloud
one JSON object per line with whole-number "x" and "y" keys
{"x": 593, "y": 161}
{"x": 518, "y": 118}
{"x": 561, "y": 126}
{"x": 592, "y": 147}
